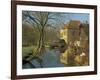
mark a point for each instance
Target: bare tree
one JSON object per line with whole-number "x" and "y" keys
{"x": 40, "y": 20}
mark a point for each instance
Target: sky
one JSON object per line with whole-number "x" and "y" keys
{"x": 66, "y": 17}
{"x": 76, "y": 16}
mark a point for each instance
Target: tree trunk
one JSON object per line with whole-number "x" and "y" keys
{"x": 41, "y": 46}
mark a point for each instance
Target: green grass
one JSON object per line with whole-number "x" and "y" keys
{"x": 27, "y": 50}
{"x": 30, "y": 49}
